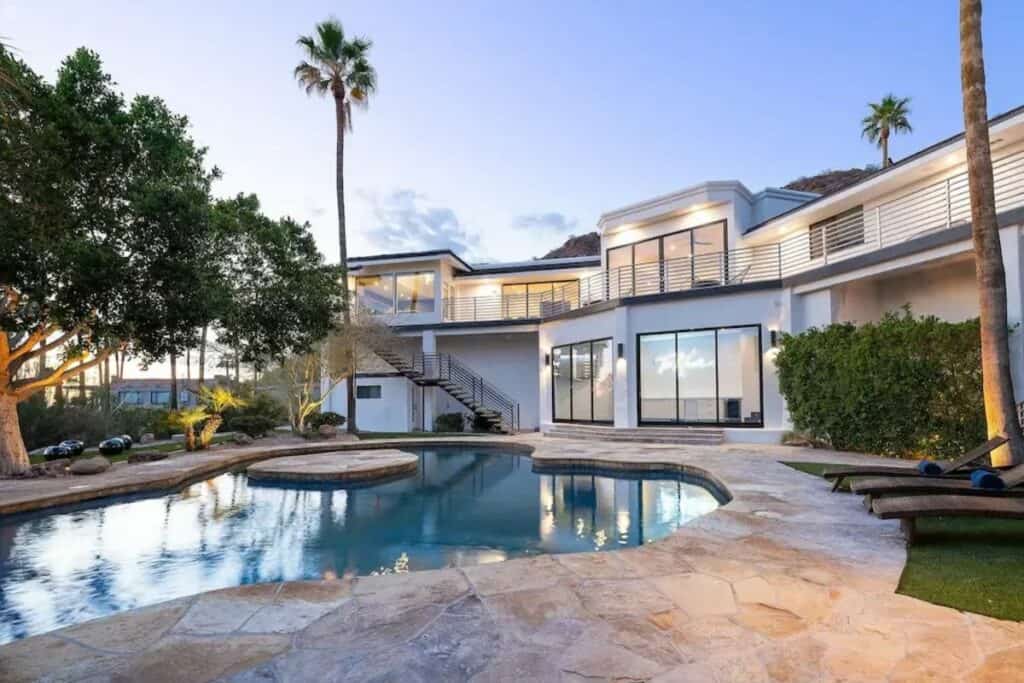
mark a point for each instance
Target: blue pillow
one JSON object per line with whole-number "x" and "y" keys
{"x": 983, "y": 479}
{"x": 929, "y": 468}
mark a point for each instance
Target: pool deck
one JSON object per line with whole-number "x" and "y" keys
{"x": 787, "y": 582}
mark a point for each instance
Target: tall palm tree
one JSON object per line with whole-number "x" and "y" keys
{"x": 997, "y": 383}
{"x": 340, "y": 67}
{"x": 888, "y": 117}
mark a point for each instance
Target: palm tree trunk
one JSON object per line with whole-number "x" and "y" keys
{"x": 997, "y": 382}
{"x": 885, "y": 147}
{"x": 339, "y": 174}
{"x": 174, "y": 382}
{"x": 202, "y": 355}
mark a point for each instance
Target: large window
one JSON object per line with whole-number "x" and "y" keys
{"x": 415, "y": 292}
{"x": 582, "y": 382}
{"x": 836, "y": 233}
{"x": 160, "y": 398}
{"x": 391, "y": 292}
{"x": 695, "y": 257}
{"x": 710, "y": 376}
{"x": 539, "y": 299}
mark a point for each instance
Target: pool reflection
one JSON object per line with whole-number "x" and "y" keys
{"x": 463, "y": 506}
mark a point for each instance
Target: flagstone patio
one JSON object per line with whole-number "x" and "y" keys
{"x": 786, "y": 582}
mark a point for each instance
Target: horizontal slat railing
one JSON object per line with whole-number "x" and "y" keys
{"x": 716, "y": 269}
{"x": 478, "y": 391}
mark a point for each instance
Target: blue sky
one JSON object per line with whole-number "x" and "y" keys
{"x": 501, "y": 128}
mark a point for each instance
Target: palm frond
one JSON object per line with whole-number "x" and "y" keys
{"x": 311, "y": 78}
{"x": 332, "y": 38}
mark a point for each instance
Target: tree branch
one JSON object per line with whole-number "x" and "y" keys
{"x": 25, "y": 388}
{"x": 24, "y": 350}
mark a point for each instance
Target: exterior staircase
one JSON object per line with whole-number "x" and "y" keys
{"x": 467, "y": 387}
{"x": 689, "y": 436}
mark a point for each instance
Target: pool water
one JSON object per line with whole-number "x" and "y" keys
{"x": 463, "y": 506}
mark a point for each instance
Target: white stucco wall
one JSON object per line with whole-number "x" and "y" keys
{"x": 509, "y": 361}
{"x": 392, "y": 412}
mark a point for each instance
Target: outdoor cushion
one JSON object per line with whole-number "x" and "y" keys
{"x": 929, "y": 467}
{"x": 983, "y": 479}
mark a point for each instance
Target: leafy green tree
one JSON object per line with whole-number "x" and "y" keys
{"x": 283, "y": 298}
{"x": 82, "y": 250}
{"x": 341, "y": 67}
{"x": 886, "y": 118}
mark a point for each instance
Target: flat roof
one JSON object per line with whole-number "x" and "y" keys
{"x": 407, "y": 255}
{"x": 356, "y": 262}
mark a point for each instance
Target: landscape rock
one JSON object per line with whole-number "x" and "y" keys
{"x": 241, "y": 439}
{"x": 328, "y": 431}
{"x": 147, "y": 456}
{"x": 94, "y": 465}
{"x": 148, "y": 437}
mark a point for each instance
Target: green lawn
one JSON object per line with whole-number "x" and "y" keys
{"x": 817, "y": 469}
{"x": 968, "y": 564}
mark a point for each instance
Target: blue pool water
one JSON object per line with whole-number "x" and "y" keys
{"x": 463, "y": 506}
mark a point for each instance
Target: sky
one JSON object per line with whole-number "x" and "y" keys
{"x": 500, "y": 128}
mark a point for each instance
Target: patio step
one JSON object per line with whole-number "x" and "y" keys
{"x": 695, "y": 436}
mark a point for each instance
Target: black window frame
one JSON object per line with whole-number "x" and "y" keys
{"x": 661, "y": 256}
{"x": 378, "y": 387}
{"x": 718, "y": 408}
{"x": 569, "y": 346}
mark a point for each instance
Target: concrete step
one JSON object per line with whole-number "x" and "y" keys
{"x": 662, "y": 435}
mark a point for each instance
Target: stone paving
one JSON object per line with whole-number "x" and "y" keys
{"x": 336, "y": 466}
{"x": 786, "y": 582}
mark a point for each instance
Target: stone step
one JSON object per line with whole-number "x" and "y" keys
{"x": 644, "y": 431}
{"x": 660, "y": 435}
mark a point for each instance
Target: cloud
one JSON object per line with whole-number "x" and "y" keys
{"x": 553, "y": 221}
{"x": 403, "y": 221}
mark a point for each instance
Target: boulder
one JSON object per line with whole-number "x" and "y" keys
{"x": 241, "y": 439}
{"x": 148, "y": 437}
{"x": 147, "y": 456}
{"x": 94, "y": 465}
{"x": 327, "y": 431}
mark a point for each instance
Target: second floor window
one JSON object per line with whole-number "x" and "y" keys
{"x": 835, "y": 233}
{"x": 396, "y": 292}
{"x": 160, "y": 398}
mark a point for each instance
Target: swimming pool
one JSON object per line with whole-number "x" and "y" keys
{"x": 463, "y": 506}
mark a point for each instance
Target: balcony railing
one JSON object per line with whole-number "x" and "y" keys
{"x": 935, "y": 207}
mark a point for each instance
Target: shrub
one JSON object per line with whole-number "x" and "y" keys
{"x": 43, "y": 425}
{"x": 449, "y": 422}
{"x": 261, "y": 405}
{"x": 316, "y": 420}
{"x": 479, "y": 424}
{"x": 903, "y": 386}
{"x": 251, "y": 425}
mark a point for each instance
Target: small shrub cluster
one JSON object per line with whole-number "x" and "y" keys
{"x": 903, "y": 387}
{"x": 449, "y": 422}
{"x": 43, "y": 425}
{"x": 260, "y": 412}
{"x": 317, "y": 420}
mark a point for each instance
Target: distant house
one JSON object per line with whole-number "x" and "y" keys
{"x": 152, "y": 393}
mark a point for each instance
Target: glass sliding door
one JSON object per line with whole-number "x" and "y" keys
{"x": 709, "y": 255}
{"x": 646, "y": 267}
{"x": 620, "y": 272}
{"x": 561, "y": 380}
{"x": 708, "y": 376}
{"x": 696, "y": 371}
{"x": 582, "y": 381}
{"x": 601, "y": 367}
{"x": 658, "y": 377}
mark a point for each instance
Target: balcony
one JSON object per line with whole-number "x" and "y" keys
{"x": 925, "y": 210}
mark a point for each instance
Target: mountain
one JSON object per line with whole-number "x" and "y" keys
{"x": 582, "y": 245}
{"x": 830, "y": 181}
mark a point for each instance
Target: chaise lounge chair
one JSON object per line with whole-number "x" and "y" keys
{"x": 1008, "y": 483}
{"x": 937, "y": 469}
{"x": 908, "y": 509}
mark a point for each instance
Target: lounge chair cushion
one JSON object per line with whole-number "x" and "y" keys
{"x": 929, "y": 468}
{"x": 983, "y": 479}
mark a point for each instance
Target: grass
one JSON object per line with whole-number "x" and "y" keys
{"x": 416, "y": 435}
{"x": 817, "y": 469}
{"x": 967, "y": 564}
{"x": 162, "y": 447}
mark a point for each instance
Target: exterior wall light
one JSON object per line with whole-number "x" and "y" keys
{"x": 547, "y": 359}
{"x": 621, "y": 350}
{"x": 773, "y": 336}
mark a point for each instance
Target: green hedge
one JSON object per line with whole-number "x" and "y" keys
{"x": 904, "y": 386}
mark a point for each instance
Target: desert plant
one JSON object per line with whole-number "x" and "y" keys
{"x": 188, "y": 419}
{"x": 215, "y": 401}
{"x": 316, "y": 420}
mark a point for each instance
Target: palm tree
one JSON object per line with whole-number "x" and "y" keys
{"x": 887, "y": 117}
{"x": 340, "y": 67}
{"x": 997, "y": 383}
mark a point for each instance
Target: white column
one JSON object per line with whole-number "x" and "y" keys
{"x": 430, "y": 398}
{"x": 625, "y": 370}
{"x": 1010, "y": 241}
